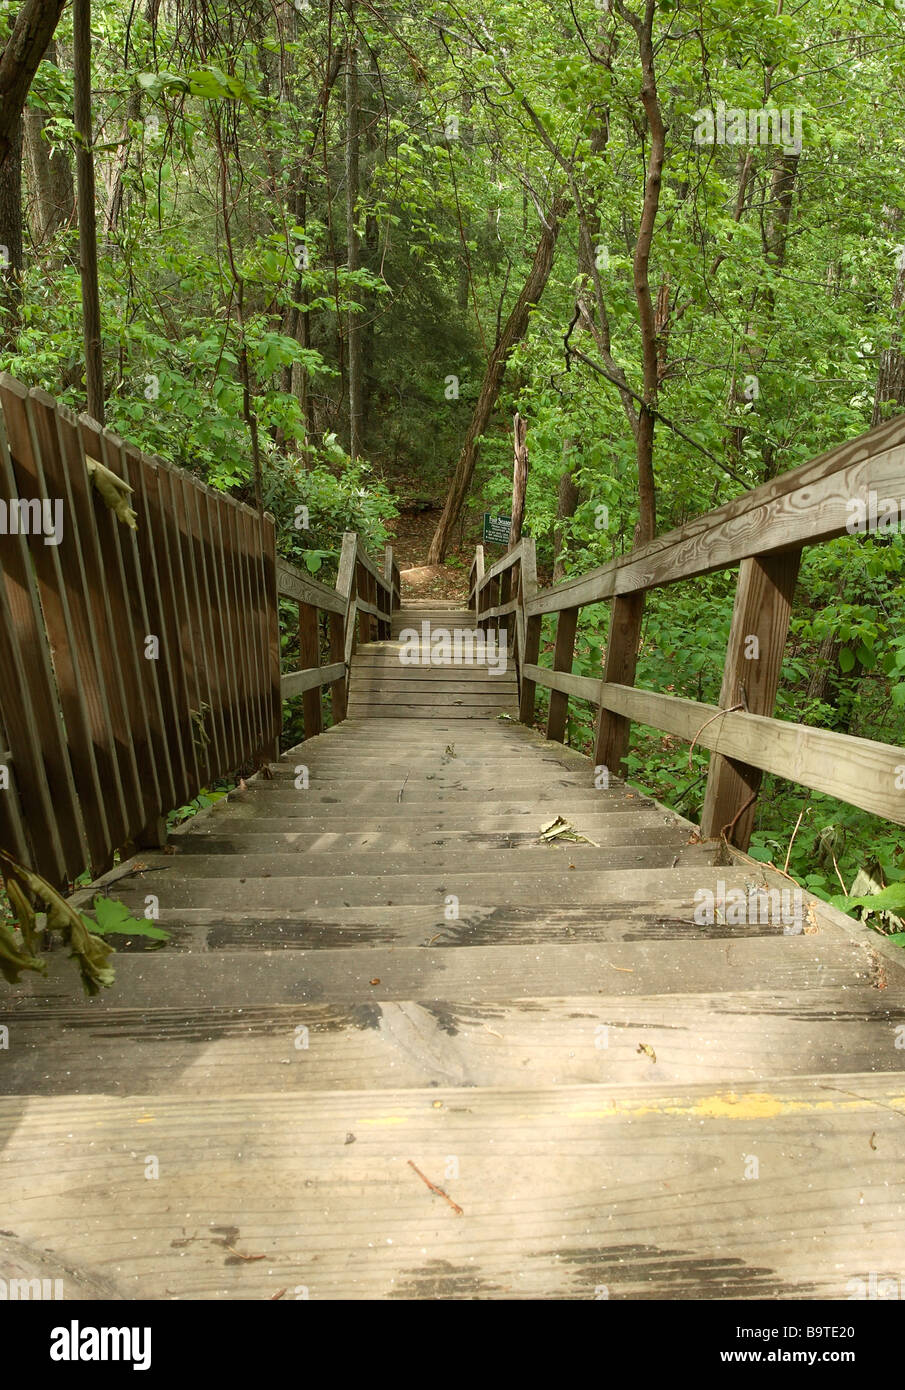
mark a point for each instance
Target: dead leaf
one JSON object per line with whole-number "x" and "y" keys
{"x": 648, "y": 1051}
{"x": 559, "y": 826}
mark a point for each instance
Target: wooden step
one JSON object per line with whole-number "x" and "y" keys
{"x": 553, "y": 859}
{"x": 519, "y": 1044}
{"x": 236, "y": 836}
{"x": 234, "y": 979}
{"x": 575, "y": 1192}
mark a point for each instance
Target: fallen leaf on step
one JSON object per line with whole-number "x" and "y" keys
{"x": 559, "y": 826}
{"x": 648, "y": 1051}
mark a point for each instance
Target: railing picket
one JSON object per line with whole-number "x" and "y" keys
{"x": 309, "y": 656}
{"x": 65, "y": 609}
{"x": 123, "y": 580}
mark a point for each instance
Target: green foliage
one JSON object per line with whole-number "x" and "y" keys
{"x": 111, "y": 917}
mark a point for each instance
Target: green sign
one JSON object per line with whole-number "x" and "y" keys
{"x": 496, "y": 529}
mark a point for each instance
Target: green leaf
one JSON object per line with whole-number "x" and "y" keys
{"x": 890, "y": 899}
{"x": 114, "y": 917}
{"x": 846, "y": 660}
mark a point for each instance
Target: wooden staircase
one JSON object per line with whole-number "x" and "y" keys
{"x": 447, "y": 1010}
{"x": 382, "y": 687}
{"x": 401, "y": 1047}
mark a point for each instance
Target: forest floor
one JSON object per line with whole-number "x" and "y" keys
{"x": 410, "y": 535}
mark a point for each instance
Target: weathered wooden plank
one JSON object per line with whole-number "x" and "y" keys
{"x": 64, "y": 611}
{"x": 553, "y": 858}
{"x": 229, "y": 979}
{"x": 163, "y": 599}
{"x": 856, "y": 770}
{"x": 579, "y": 1193}
{"x": 258, "y": 634}
{"x": 517, "y": 1044}
{"x": 139, "y": 555}
{"x": 757, "y": 638}
{"x": 309, "y": 659}
{"x": 557, "y": 713}
{"x": 207, "y": 566}
{"x": 237, "y": 625}
{"x": 28, "y": 698}
{"x": 299, "y": 681}
{"x": 581, "y": 687}
{"x": 124, "y": 580}
{"x": 269, "y": 622}
{"x": 611, "y": 737}
{"x": 293, "y": 583}
{"x": 798, "y": 508}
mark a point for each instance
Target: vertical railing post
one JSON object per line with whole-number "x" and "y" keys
{"x": 532, "y": 626}
{"x": 505, "y": 592}
{"x": 566, "y": 626}
{"x": 309, "y": 655}
{"x": 339, "y": 624}
{"x": 611, "y": 743}
{"x": 757, "y": 638}
{"x": 388, "y": 568}
{"x": 272, "y": 609}
{"x": 475, "y": 595}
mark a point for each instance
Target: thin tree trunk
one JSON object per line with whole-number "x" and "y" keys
{"x": 644, "y": 439}
{"x": 890, "y": 389}
{"x": 353, "y": 262}
{"x": 519, "y": 479}
{"x": 11, "y": 255}
{"x": 91, "y": 308}
{"x": 512, "y": 333}
{"x": 52, "y": 202}
{"x": 32, "y": 32}
{"x": 566, "y": 502}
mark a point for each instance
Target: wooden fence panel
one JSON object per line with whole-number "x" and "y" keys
{"x": 136, "y": 666}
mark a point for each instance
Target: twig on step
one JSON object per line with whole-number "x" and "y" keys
{"x": 439, "y": 1190}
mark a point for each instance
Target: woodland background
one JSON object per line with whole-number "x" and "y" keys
{"x": 338, "y": 243}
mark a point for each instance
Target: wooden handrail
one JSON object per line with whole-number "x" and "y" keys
{"x": 805, "y": 506}
{"x": 350, "y": 614}
{"x": 140, "y": 641}
{"x": 764, "y": 532}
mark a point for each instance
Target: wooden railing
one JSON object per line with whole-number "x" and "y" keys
{"x": 763, "y": 532}
{"x": 138, "y": 666}
{"x": 360, "y": 608}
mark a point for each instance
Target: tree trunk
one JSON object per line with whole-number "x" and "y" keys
{"x": 52, "y": 202}
{"x": 891, "y": 372}
{"x": 91, "y": 308}
{"x": 566, "y": 502}
{"x": 512, "y": 333}
{"x": 353, "y": 262}
{"x": 32, "y": 32}
{"x": 11, "y": 258}
{"x": 297, "y": 321}
{"x": 519, "y": 479}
